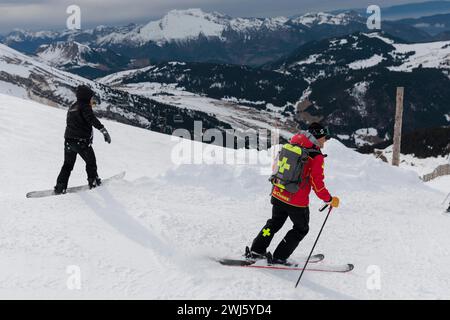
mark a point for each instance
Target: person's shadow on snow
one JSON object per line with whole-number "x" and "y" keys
{"x": 305, "y": 282}
{"x": 114, "y": 213}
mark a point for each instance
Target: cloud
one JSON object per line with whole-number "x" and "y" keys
{"x": 51, "y": 14}
{"x": 40, "y": 14}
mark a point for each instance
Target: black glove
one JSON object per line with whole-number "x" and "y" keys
{"x": 106, "y": 135}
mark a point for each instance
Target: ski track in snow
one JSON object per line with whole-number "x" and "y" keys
{"x": 150, "y": 236}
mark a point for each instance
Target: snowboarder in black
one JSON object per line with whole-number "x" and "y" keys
{"x": 79, "y": 137}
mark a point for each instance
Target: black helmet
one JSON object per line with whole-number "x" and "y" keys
{"x": 84, "y": 93}
{"x": 319, "y": 131}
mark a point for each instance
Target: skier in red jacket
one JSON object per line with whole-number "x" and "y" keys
{"x": 296, "y": 205}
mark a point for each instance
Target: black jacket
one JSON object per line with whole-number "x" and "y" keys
{"x": 80, "y": 120}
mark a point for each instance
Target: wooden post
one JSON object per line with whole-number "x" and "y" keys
{"x": 398, "y": 127}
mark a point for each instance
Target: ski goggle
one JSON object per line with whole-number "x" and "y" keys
{"x": 95, "y": 101}
{"x": 323, "y": 132}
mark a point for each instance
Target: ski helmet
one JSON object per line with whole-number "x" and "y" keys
{"x": 319, "y": 131}
{"x": 84, "y": 93}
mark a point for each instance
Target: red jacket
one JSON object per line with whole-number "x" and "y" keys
{"x": 313, "y": 176}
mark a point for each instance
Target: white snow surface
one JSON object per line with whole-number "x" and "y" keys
{"x": 427, "y": 55}
{"x": 310, "y": 19}
{"x": 150, "y": 235}
{"x": 366, "y": 63}
{"x": 420, "y": 166}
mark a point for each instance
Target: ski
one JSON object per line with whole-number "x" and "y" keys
{"x": 295, "y": 267}
{"x": 245, "y": 262}
{"x": 322, "y": 268}
{"x": 48, "y": 193}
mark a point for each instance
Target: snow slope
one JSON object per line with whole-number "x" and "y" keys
{"x": 150, "y": 235}
{"x": 425, "y": 55}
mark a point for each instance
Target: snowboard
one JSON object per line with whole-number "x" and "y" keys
{"x": 48, "y": 193}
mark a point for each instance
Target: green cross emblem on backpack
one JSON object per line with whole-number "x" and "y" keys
{"x": 283, "y": 165}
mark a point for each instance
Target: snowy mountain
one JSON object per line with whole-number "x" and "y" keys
{"x": 240, "y": 96}
{"x": 253, "y": 87}
{"x": 29, "y": 41}
{"x": 177, "y": 25}
{"x": 25, "y": 77}
{"x": 348, "y": 82}
{"x": 81, "y": 59}
{"x": 198, "y": 36}
{"x": 151, "y": 235}
{"x": 353, "y": 81}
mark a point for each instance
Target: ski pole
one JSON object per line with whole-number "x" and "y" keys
{"x": 317, "y": 239}
{"x": 445, "y": 200}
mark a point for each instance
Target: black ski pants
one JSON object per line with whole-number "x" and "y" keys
{"x": 280, "y": 212}
{"x": 72, "y": 148}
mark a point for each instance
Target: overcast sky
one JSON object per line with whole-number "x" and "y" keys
{"x": 51, "y": 14}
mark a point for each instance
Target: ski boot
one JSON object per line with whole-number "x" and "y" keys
{"x": 94, "y": 183}
{"x": 271, "y": 260}
{"x": 448, "y": 209}
{"x": 252, "y": 255}
{"x": 60, "y": 189}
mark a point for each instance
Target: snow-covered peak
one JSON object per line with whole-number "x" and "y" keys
{"x": 310, "y": 19}
{"x": 190, "y": 24}
{"x": 425, "y": 55}
{"x": 19, "y": 67}
{"x": 249, "y": 24}
{"x": 62, "y": 53}
{"x": 20, "y": 35}
{"x": 180, "y": 25}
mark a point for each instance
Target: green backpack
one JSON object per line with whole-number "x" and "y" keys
{"x": 289, "y": 169}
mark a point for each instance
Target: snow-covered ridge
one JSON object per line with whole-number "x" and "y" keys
{"x": 182, "y": 25}
{"x": 20, "y": 35}
{"x": 62, "y": 53}
{"x": 26, "y": 77}
{"x": 310, "y": 19}
{"x": 16, "y": 64}
{"x": 178, "y": 25}
{"x": 426, "y": 55}
{"x": 366, "y": 63}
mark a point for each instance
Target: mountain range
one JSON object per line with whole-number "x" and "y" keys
{"x": 244, "y": 72}
{"x": 349, "y": 82}
{"x": 25, "y": 77}
{"x": 196, "y": 36}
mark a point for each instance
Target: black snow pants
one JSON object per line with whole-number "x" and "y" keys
{"x": 280, "y": 212}
{"x": 71, "y": 149}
